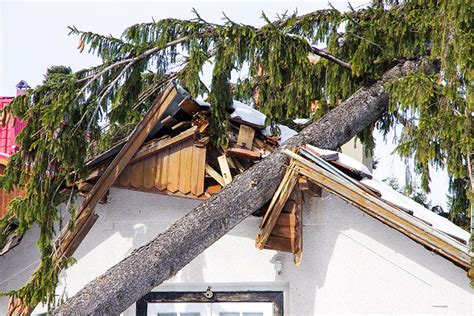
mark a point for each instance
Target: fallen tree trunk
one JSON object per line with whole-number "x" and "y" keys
{"x": 170, "y": 251}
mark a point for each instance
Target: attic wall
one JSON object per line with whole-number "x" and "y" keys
{"x": 351, "y": 263}
{"x": 177, "y": 170}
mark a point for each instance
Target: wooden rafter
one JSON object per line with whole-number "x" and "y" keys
{"x": 70, "y": 239}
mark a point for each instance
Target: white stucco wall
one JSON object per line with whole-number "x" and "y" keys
{"x": 351, "y": 262}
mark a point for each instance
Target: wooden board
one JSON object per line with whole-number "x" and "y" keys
{"x": 276, "y": 206}
{"x": 213, "y": 189}
{"x": 185, "y": 166}
{"x": 279, "y": 243}
{"x": 189, "y": 106}
{"x": 149, "y": 171}
{"x": 137, "y": 174}
{"x": 174, "y": 168}
{"x": 225, "y": 170}
{"x": 162, "y": 167}
{"x": 286, "y": 219}
{"x": 181, "y": 126}
{"x": 124, "y": 178}
{"x": 246, "y": 135}
{"x": 198, "y": 170}
{"x": 215, "y": 175}
{"x": 285, "y": 231}
{"x": 298, "y": 253}
{"x": 169, "y": 121}
{"x": 244, "y": 153}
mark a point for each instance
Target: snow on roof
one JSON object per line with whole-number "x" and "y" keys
{"x": 252, "y": 116}
{"x": 301, "y": 121}
{"x": 419, "y": 211}
{"x": 343, "y": 159}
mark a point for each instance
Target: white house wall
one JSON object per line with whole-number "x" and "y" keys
{"x": 351, "y": 262}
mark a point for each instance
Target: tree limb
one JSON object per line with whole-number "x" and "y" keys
{"x": 331, "y": 58}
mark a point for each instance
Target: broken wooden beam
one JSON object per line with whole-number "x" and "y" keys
{"x": 244, "y": 153}
{"x": 276, "y": 205}
{"x": 215, "y": 175}
{"x": 225, "y": 170}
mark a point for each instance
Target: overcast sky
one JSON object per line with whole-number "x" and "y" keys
{"x": 34, "y": 36}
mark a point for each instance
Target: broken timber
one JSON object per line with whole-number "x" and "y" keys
{"x": 371, "y": 204}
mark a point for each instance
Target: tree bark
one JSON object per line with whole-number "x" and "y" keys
{"x": 160, "y": 259}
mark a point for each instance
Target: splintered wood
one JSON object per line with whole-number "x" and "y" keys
{"x": 225, "y": 170}
{"x": 281, "y": 226}
{"x": 183, "y": 162}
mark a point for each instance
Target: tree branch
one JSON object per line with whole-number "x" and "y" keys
{"x": 331, "y": 58}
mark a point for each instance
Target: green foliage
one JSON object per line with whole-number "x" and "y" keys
{"x": 102, "y": 104}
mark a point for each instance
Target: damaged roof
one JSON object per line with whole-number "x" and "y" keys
{"x": 170, "y": 149}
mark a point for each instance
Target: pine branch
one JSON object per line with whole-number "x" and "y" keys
{"x": 331, "y": 58}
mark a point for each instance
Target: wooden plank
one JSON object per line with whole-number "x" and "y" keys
{"x": 286, "y": 219}
{"x": 137, "y": 174}
{"x": 186, "y": 161}
{"x": 162, "y": 167}
{"x": 159, "y": 145}
{"x": 225, "y": 170}
{"x": 149, "y": 171}
{"x": 125, "y": 177}
{"x": 246, "y": 135}
{"x": 215, "y": 175}
{"x": 69, "y": 239}
{"x": 244, "y": 153}
{"x": 198, "y": 170}
{"x": 213, "y": 189}
{"x": 181, "y": 126}
{"x": 189, "y": 106}
{"x": 283, "y": 231}
{"x": 169, "y": 121}
{"x": 276, "y": 205}
{"x": 285, "y": 187}
{"x": 279, "y": 243}
{"x": 174, "y": 168}
{"x": 298, "y": 254}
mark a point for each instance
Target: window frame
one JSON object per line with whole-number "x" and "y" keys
{"x": 274, "y": 297}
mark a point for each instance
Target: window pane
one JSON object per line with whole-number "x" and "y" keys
{"x": 190, "y": 314}
{"x": 167, "y": 314}
{"x": 229, "y": 314}
{"x": 252, "y": 314}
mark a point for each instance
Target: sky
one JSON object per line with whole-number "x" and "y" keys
{"x": 34, "y": 36}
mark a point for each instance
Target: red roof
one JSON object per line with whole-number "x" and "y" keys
{"x": 9, "y": 131}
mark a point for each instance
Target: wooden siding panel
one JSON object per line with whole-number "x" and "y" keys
{"x": 162, "y": 167}
{"x": 137, "y": 174}
{"x": 186, "y": 156}
{"x": 149, "y": 171}
{"x": 174, "y": 168}
{"x": 198, "y": 170}
{"x": 124, "y": 178}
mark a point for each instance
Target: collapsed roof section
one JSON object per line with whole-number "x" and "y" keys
{"x": 350, "y": 181}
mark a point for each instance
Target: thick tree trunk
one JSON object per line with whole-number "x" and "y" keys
{"x": 164, "y": 256}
